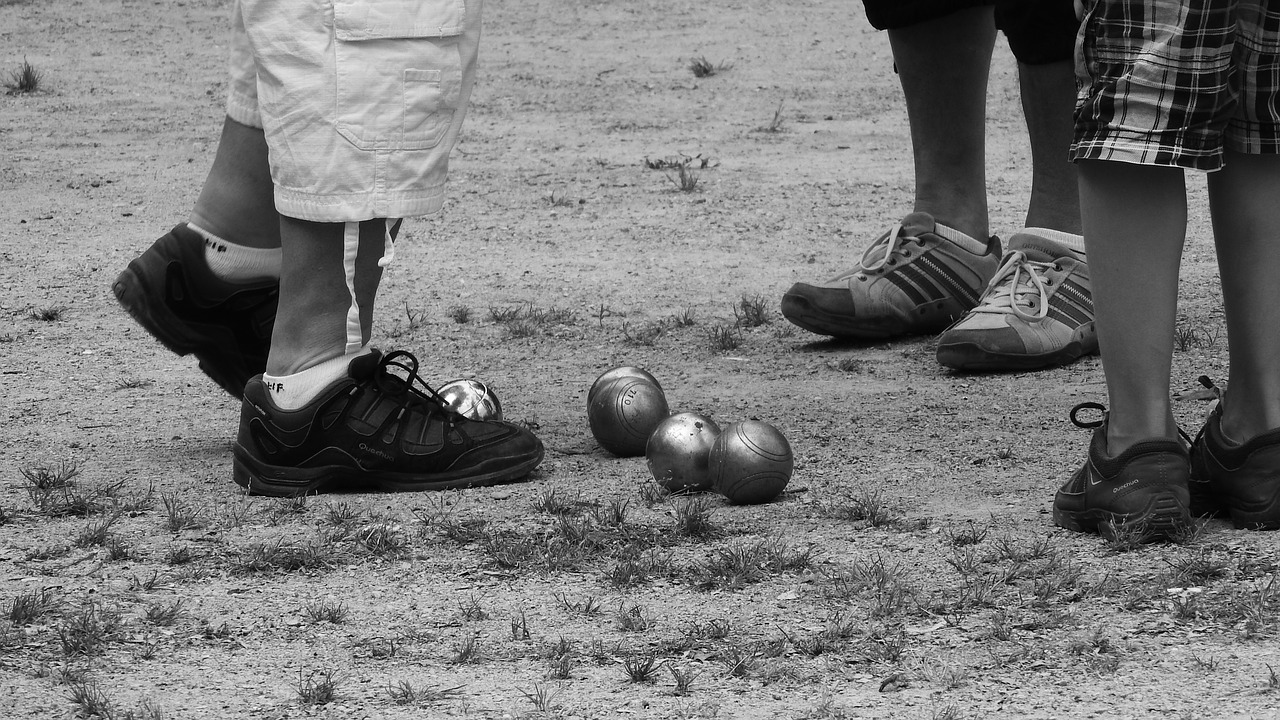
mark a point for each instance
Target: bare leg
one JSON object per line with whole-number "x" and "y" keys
{"x": 1135, "y": 222}
{"x": 1246, "y": 228}
{"x": 237, "y": 202}
{"x": 312, "y": 320}
{"x": 1048, "y": 98}
{"x": 943, "y": 66}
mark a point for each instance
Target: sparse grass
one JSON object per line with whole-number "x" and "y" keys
{"x": 724, "y": 338}
{"x": 683, "y": 679}
{"x": 460, "y": 314}
{"x": 26, "y": 608}
{"x": 471, "y": 609}
{"x": 26, "y": 79}
{"x": 320, "y": 687}
{"x": 1187, "y": 337}
{"x": 466, "y": 651}
{"x": 404, "y": 693}
{"x": 335, "y": 612}
{"x": 179, "y": 514}
{"x": 541, "y": 696}
{"x": 633, "y": 618}
{"x": 685, "y": 178}
{"x": 702, "y": 67}
{"x": 644, "y": 336}
{"x": 520, "y": 627}
{"x": 751, "y": 311}
{"x": 860, "y": 505}
{"x": 164, "y": 614}
{"x": 134, "y": 383}
{"x": 89, "y": 630}
{"x": 560, "y": 198}
{"x": 641, "y": 668}
{"x": 51, "y": 313}
{"x": 383, "y": 539}
{"x": 777, "y": 122}
{"x": 589, "y": 605}
{"x": 96, "y": 533}
{"x": 91, "y": 700}
{"x": 277, "y": 556}
{"x": 693, "y": 518}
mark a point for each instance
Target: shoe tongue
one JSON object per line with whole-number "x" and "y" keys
{"x": 1039, "y": 249}
{"x": 917, "y": 223}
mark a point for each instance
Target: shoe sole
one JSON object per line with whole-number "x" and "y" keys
{"x": 130, "y": 293}
{"x": 1165, "y": 517}
{"x": 973, "y": 357}
{"x": 800, "y": 312}
{"x": 275, "y": 481}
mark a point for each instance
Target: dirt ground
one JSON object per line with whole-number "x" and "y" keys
{"x": 958, "y": 598}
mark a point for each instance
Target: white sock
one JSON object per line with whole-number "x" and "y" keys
{"x": 1071, "y": 241}
{"x": 236, "y": 263}
{"x": 291, "y": 392}
{"x": 977, "y": 247}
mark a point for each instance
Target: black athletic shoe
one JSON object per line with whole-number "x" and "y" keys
{"x": 1242, "y": 481}
{"x": 171, "y": 292}
{"x": 1141, "y": 493}
{"x": 374, "y": 430}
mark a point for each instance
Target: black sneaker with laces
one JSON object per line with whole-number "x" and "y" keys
{"x": 170, "y": 291}
{"x": 374, "y": 430}
{"x": 1140, "y": 494}
{"x": 1238, "y": 480}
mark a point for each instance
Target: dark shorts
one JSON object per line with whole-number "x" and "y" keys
{"x": 1039, "y": 31}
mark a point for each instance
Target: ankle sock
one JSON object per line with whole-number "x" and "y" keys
{"x": 291, "y": 392}
{"x": 973, "y": 245}
{"x": 237, "y": 263}
{"x": 1071, "y": 241}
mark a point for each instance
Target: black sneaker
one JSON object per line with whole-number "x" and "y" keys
{"x": 171, "y": 292}
{"x": 1242, "y": 481}
{"x": 374, "y": 430}
{"x": 1140, "y": 494}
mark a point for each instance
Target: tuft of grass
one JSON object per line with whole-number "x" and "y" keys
{"x": 96, "y": 533}
{"x": 330, "y": 611}
{"x": 51, "y": 313}
{"x": 134, "y": 383}
{"x": 702, "y": 67}
{"x": 472, "y": 610}
{"x": 644, "y": 336}
{"x": 633, "y": 618}
{"x": 520, "y": 627}
{"x": 861, "y": 505}
{"x": 26, "y": 79}
{"x": 751, "y": 311}
{"x": 318, "y": 688}
{"x": 693, "y": 518}
{"x": 91, "y": 700}
{"x": 264, "y": 557}
{"x": 89, "y": 631}
{"x": 164, "y": 614}
{"x": 724, "y": 338}
{"x": 460, "y": 314}
{"x": 641, "y": 668}
{"x": 466, "y": 651}
{"x": 1187, "y": 337}
{"x": 683, "y": 679}
{"x": 560, "y": 198}
{"x": 541, "y": 696}
{"x": 404, "y": 693}
{"x": 179, "y": 514}
{"x": 383, "y": 539}
{"x": 685, "y": 178}
{"x": 777, "y": 122}
{"x": 26, "y": 608}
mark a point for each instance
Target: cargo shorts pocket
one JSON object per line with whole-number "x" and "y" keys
{"x": 398, "y": 71}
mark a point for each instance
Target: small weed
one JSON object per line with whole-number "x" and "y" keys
{"x": 404, "y": 693}
{"x": 88, "y": 631}
{"x": 330, "y": 611}
{"x": 702, "y": 67}
{"x": 776, "y": 123}
{"x": 285, "y": 508}
{"x": 970, "y": 534}
{"x": 414, "y": 318}
{"x": 466, "y": 651}
{"x": 724, "y": 338}
{"x": 318, "y": 688}
{"x": 149, "y": 583}
{"x": 460, "y": 314}
{"x": 520, "y": 627}
{"x": 1273, "y": 679}
{"x": 751, "y": 311}
{"x": 861, "y": 505}
{"x": 614, "y": 515}
{"x": 851, "y": 364}
{"x": 134, "y": 383}
{"x": 641, "y": 668}
{"x": 551, "y": 502}
{"x": 560, "y": 199}
{"x": 1207, "y": 665}
{"x": 179, "y": 515}
{"x": 693, "y": 518}
{"x": 383, "y": 539}
{"x": 28, "y": 607}
{"x": 632, "y": 619}
{"x": 26, "y": 79}
{"x": 684, "y": 178}
{"x": 90, "y": 699}
{"x": 541, "y": 697}
{"x": 164, "y": 614}
{"x": 644, "y": 336}
{"x": 471, "y": 610}
{"x": 52, "y": 313}
{"x": 683, "y": 679}
{"x": 1186, "y": 337}
{"x": 286, "y": 558}
{"x": 587, "y": 606}
{"x": 95, "y": 533}
{"x": 740, "y": 660}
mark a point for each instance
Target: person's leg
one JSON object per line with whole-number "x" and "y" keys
{"x": 1134, "y": 220}
{"x": 1048, "y": 97}
{"x": 236, "y": 201}
{"x": 943, "y": 66}
{"x": 1246, "y": 229}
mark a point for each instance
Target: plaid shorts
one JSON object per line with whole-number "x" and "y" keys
{"x": 1164, "y": 82}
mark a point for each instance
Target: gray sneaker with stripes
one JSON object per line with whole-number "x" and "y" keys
{"x": 915, "y": 279}
{"x": 1036, "y": 312}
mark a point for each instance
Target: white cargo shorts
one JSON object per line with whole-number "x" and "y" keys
{"x": 361, "y": 101}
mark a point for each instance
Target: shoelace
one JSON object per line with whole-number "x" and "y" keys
{"x": 410, "y": 389}
{"x": 1018, "y": 278}
{"x": 887, "y": 247}
{"x": 1091, "y": 424}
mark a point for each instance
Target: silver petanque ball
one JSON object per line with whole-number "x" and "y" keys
{"x": 678, "y": 450}
{"x": 751, "y": 462}
{"x": 625, "y": 371}
{"x": 623, "y": 414}
{"x": 472, "y": 399}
